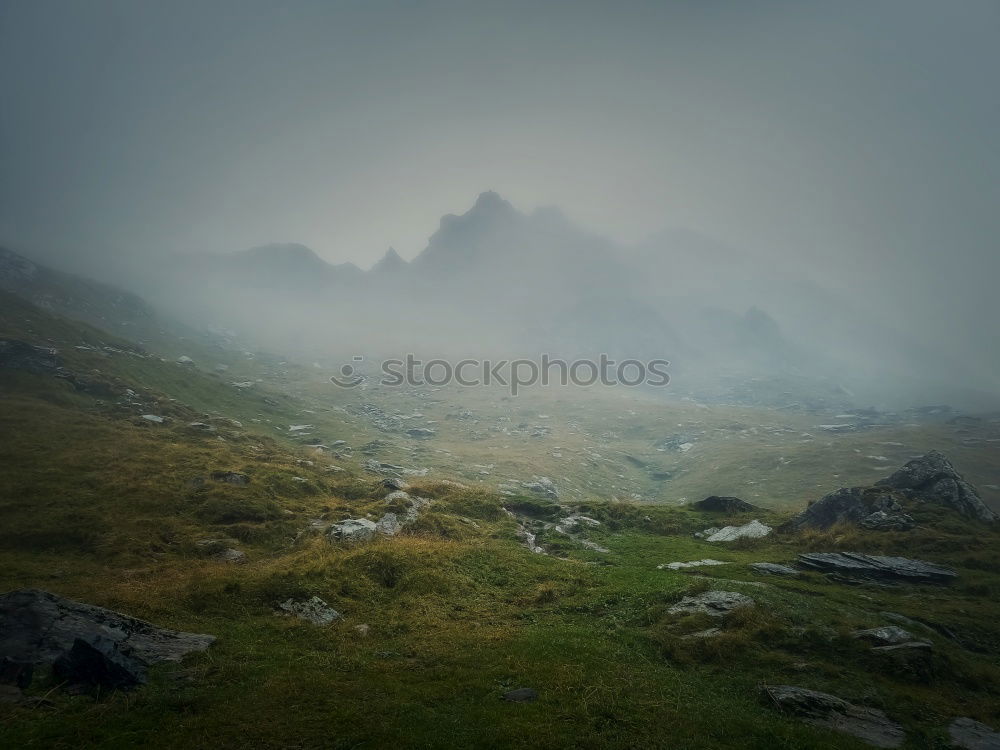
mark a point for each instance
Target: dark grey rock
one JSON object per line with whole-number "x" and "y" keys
{"x": 521, "y": 695}
{"x": 38, "y": 627}
{"x": 887, "y": 635}
{"x": 847, "y": 505}
{"x": 824, "y": 710}
{"x": 857, "y": 565}
{"x": 969, "y": 734}
{"x": 882, "y": 520}
{"x": 99, "y": 662}
{"x": 723, "y": 504}
{"x": 933, "y": 479}
{"x": 912, "y": 660}
{"x": 421, "y": 432}
{"x": 773, "y": 569}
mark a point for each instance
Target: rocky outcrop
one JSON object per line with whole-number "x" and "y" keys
{"x": 824, "y": 710}
{"x": 711, "y": 603}
{"x": 723, "y": 504}
{"x": 851, "y": 505}
{"x": 856, "y": 565}
{"x": 932, "y": 479}
{"x": 970, "y": 734}
{"x": 353, "y": 530}
{"x": 86, "y": 645}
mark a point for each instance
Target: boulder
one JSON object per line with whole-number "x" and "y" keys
{"x": 692, "y": 564}
{"x": 969, "y": 734}
{"x": 887, "y": 635}
{"x": 773, "y": 569}
{"x": 723, "y": 504}
{"x": 824, "y": 710}
{"x": 931, "y": 478}
{"x": 912, "y": 660}
{"x": 711, "y": 603}
{"x": 857, "y": 565}
{"x": 313, "y": 610}
{"x": 38, "y": 627}
{"x": 99, "y": 662}
{"x": 353, "y": 530}
{"x": 851, "y": 505}
{"x": 753, "y": 530}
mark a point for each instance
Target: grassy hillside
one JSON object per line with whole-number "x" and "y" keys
{"x": 103, "y": 506}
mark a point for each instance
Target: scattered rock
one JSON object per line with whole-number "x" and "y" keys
{"x": 857, "y": 565}
{"x": 363, "y": 629}
{"x": 773, "y": 569}
{"x": 185, "y": 360}
{"x": 723, "y": 504}
{"x": 709, "y": 633}
{"x": 933, "y": 479}
{"x": 521, "y": 695}
{"x": 887, "y": 635}
{"x": 313, "y": 610}
{"x": 99, "y": 662}
{"x": 231, "y": 477}
{"x": 155, "y": 419}
{"x": 692, "y": 564}
{"x": 753, "y": 530}
{"x": 711, "y": 603}
{"x": 969, "y": 734}
{"x": 231, "y": 555}
{"x": 395, "y": 484}
{"x": 353, "y": 530}
{"x": 421, "y": 432}
{"x": 822, "y": 709}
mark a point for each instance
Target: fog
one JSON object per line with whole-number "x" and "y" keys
{"x": 832, "y": 166}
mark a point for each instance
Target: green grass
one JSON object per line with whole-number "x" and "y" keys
{"x": 102, "y": 507}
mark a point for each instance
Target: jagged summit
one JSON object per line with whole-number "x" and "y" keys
{"x": 389, "y": 262}
{"x": 491, "y": 202}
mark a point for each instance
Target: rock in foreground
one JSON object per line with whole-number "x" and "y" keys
{"x": 723, "y": 504}
{"x": 824, "y": 710}
{"x": 856, "y": 565}
{"x": 89, "y": 644}
{"x": 972, "y": 735}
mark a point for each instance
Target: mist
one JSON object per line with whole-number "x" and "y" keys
{"x": 832, "y": 165}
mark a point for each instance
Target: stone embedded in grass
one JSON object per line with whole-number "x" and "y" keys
{"x": 313, "y": 610}
{"x": 711, "y": 603}
{"x": 692, "y": 564}
{"x": 824, "y": 710}
{"x": 154, "y": 418}
{"x": 231, "y": 555}
{"x": 753, "y": 530}
{"x": 353, "y": 530}
{"x": 857, "y": 565}
{"x": 887, "y": 635}
{"x": 970, "y": 734}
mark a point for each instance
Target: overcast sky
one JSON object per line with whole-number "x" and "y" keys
{"x": 857, "y": 137}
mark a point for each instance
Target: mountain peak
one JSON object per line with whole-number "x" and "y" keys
{"x": 491, "y": 202}
{"x": 389, "y": 262}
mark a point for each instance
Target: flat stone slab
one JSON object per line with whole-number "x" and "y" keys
{"x": 857, "y": 565}
{"x": 824, "y": 710}
{"x": 711, "y": 603}
{"x": 970, "y": 734}
{"x": 38, "y": 627}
